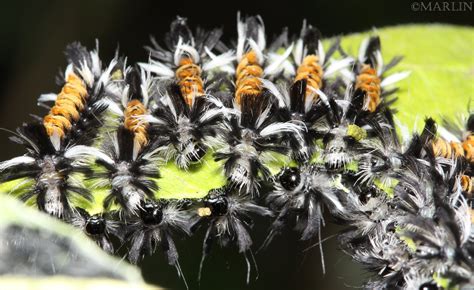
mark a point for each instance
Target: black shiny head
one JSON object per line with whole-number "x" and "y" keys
{"x": 374, "y": 162}
{"x": 429, "y": 286}
{"x": 290, "y": 178}
{"x": 391, "y": 227}
{"x": 95, "y": 225}
{"x": 218, "y": 203}
{"x": 368, "y": 193}
{"x": 378, "y": 164}
{"x": 151, "y": 213}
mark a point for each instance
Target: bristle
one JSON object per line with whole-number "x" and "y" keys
{"x": 470, "y": 123}
{"x": 373, "y": 47}
{"x": 311, "y": 37}
{"x": 133, "y": 79}
{"x": 77, "y": 54}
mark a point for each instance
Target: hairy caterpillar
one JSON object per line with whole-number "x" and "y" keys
{"x": 254, "y": 131}
{"x": 187, "y": 117}
{"x": 56, "y": 147}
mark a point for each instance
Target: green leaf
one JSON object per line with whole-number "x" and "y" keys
{"x": 70, "y": 283}
{"x": 193, "y": 183}
{"x": 44, "y": 234}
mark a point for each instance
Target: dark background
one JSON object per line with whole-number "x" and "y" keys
{"x": 33, "y": 35}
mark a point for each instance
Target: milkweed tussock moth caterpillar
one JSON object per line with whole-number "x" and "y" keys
{"x": 187, "y": 114}
{"x": 406, "y": 203}
{"x": 56, "y": 146}
{"x": 255, "y": 129}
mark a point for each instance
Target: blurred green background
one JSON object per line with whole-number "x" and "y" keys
{"x": 33, "y": 35}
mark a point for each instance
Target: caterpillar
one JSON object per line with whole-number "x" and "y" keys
{"x": 57, "y": 146}
{"x": 300, "y": 103}
{"x": 128, "y": 162}
{"x": 127, "y": 159}
{"x": 254, "y": 132}
{"x": 189, "y": 118}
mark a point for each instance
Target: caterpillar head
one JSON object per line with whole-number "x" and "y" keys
{"x": 374, "y": 166}
{"x": 291, "y": 188}
{"x": 95, "y": 225}
{"x": 217, "y": 203}
{"x": 297, "y": 182}
{"x": 290, "y": 178}
{"x": 99, "y": 227}
{"x": 151, "y": 213}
